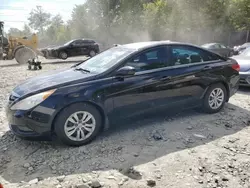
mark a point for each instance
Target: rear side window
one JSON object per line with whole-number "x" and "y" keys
{"x": 183, "y": 54}
{"x": 88, "y": 41}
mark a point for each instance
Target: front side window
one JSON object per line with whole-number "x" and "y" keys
{"x": 152, "y": 59}
{"x": 77, "y": 43}
{"x": 70, "y": 42}
{"x": 188, "y": 55}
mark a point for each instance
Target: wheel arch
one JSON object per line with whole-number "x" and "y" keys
{"x": 224, "y": 84}
{"x": 98, "y": 107}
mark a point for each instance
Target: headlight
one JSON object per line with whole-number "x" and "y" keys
{"x": 32, "y": 101}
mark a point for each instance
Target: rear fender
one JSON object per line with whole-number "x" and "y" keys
{"x": 217, "y": 82}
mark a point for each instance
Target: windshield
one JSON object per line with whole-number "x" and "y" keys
{"x": 105, "y": 60}
{"x": 68, "y": 43}
{"x": 246, "y": 52}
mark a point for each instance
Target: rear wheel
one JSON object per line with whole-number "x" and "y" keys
{"x": 92, "y": 53}
{"x": 215, "y": 98}
{"x": 63, "y": 55}
{"x": 78, "y": 124}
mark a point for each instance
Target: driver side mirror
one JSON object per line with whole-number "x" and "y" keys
{"x": 126, "y": 71}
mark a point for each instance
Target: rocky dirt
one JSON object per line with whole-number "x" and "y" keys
{"x": 177, "y": 149}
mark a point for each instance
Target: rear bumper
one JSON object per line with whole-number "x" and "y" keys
{"x": 244, "y": 79}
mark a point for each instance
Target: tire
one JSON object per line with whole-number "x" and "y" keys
{"x": 92, "y": 53}
{"x": 212, "y": 107}
{"x": 23, "y": 54}
{"x": 29, "y": 67}
{"x": 62, "y": 122}
{"x": 40, "y": 67}
{"x": 63, "y": 55}
{"x": 35, "y": 67}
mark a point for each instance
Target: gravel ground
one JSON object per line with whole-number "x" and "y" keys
{"x": 184, "y": 149}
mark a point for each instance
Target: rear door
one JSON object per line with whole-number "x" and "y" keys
{"x": 86, "y": 46}
{"x": 191, "y": 70}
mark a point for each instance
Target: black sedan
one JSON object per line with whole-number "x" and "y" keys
{"x": 219, "y": 49}
{"x": 76, "y": 103}
{"x": 72, "y": 48}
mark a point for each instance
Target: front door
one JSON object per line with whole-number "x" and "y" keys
{"x": 73, "y": 48}
{"x": 131, "y": 96}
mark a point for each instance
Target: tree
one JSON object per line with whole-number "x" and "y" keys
{"x": 39, "y": 19}
{"x": 240, "y": 15}
{"x": 26, "y": 30}
{"x": 54, "y": 28}
{"x": 15, "y": 32}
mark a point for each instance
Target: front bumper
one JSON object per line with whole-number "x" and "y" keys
{"x": 49, "y": 54}
{"x": 29, "y": 124}
{"x": 245, "y": 78}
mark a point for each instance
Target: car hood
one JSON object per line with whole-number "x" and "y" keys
{"x": 50, "y": 80}
{"x": 244, "y": 62}
{"x": 55, "y": 47}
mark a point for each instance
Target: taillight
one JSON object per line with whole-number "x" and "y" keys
{"x": 236, "y": 67}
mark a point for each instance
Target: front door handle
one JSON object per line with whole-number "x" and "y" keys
{"x": 164, "y": 78}
{"x": 207, "y": 68}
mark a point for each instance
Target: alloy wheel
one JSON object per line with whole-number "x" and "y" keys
{"x": 92, "y": 53}
{"x": 216, "y": 98}
{"x": 79, "y": 126}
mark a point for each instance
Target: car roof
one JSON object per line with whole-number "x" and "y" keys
{"x": 143, "y": 45}
{"x": 213, "y": 43}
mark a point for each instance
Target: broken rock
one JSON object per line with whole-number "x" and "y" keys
{"x": 34, "y": 181}
{"x": 151, "y": 183}
{"x": 26, "y": 165}
{"x": 157, "y": 136}
{"x": 95, "y": 184}
{"x": 199, "y": 136}
{"x": 60, "y": 178}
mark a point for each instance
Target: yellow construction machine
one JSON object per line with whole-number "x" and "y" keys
{"x": 20, "y": 48}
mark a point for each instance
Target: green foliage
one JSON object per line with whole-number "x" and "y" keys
{"x": 39, "y": 19}
{"x": 122, "y": 21}
{"x": 240, "y": 14}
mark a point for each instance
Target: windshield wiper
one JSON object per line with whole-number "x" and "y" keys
{"x": 75, "y": 65}
{"x": 81, "y": 69}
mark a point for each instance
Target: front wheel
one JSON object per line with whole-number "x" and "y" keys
{"x": 215, "y": 98}
{"x": 78, "y": 124}
{"x": 63, "y": 55}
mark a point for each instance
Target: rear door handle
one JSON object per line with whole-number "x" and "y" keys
{"x": 164, "y": 78}
{"x": 207, "y": 68}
